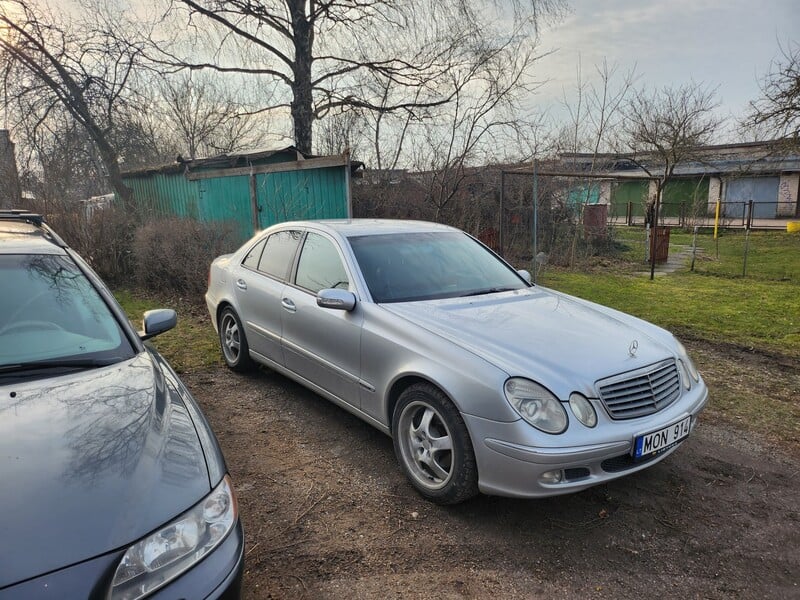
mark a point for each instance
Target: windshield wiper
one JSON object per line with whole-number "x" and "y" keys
{"x": 58, "y": 363}
{"x": 492, "y": 290}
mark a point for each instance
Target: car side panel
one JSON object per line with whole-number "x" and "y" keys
{"x": 258, "y": 302}
{"x": 323, "y": 345}
{"x": 392, "y": 347}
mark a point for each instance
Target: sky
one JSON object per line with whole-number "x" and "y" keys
{"x": 726, "y": 44}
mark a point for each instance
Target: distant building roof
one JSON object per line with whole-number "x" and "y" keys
{"x": 769, "y": 157}
{"x": 761, "y": 158}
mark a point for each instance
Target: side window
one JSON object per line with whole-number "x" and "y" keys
{"x": 252, "y": 258}
{"x": 320, "y": 266}
{"x": 276, "y": 260}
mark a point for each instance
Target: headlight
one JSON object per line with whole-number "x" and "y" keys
{"x": 582, "y": 409}
{"x": 687, "y": 361}
{"x": 536, "y": 405}
{"x": 176, "y": 547}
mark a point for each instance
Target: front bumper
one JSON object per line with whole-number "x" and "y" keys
{"x": 513, "y": 457}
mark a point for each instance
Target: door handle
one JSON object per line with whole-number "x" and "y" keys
{"x": 241, "y": 284}
{"x": 288, "y": 305}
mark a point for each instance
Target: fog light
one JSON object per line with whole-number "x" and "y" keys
{"x": 551, "y": 477}
{"x": 582, "y": 409}
{"x": 684, "y": 374}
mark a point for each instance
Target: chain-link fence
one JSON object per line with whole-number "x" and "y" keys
{"x": 759, "y": 254}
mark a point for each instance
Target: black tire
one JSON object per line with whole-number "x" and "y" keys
{"x": 433, "y": 446}
{"x": 233, "y": 342}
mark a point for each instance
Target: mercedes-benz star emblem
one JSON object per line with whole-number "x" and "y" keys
{"x": 633, "y": 348}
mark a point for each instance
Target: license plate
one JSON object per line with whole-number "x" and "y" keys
{"x": 656, "y": 442}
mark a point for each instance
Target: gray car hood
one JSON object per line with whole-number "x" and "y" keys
{"x": 564, "y": 343}
{"x": 90, "y": 462}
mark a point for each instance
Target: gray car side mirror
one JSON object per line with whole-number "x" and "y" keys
{"x": 336, "y": 299}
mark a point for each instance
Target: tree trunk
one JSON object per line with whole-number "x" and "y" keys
{"x": 302, "y": 98}
{"x": 111, "y": 163}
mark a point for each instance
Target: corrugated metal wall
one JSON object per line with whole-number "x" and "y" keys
{"x": 297, "y": 195}
{"x": 282, "y": 196}
{"x": 226, "y": 200}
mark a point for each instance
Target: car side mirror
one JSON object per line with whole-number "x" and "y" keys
{"x": 336, "y": 299}
{"x": 157, "y": 321}
{"x": 525, "y": 274}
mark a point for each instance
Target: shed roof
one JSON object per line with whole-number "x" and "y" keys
{"x": 228, "y": 161}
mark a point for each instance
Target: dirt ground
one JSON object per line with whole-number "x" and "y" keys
{"x": 327, "y": 513}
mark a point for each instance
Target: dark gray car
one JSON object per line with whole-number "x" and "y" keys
{"x": 114, "y": 486}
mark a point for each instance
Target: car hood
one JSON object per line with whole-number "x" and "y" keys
{"x": 562, "y": 342}
{"x": 90, "y": 462}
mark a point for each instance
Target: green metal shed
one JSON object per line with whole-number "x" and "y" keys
{"x": 247, "y": 191}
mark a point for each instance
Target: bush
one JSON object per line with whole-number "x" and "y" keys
{"x": 103, "y": 237}
{"x": 173, "y": 255}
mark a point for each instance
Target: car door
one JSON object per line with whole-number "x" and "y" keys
{"x": 322, "y": 345}
{"x": 258, "y": 284}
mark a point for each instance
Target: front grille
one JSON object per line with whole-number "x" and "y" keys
{"x": 642, "y": 392}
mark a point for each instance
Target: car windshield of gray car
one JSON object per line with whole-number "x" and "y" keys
{"x": 52, "y": 317}
{"x": 404, "y": 267}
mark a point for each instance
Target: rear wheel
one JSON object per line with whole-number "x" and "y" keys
{"x": 233, "y": 342}
{"x": 433, "y": 445}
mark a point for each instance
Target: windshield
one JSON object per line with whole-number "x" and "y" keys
{"x": 404, "y": 267}
{"x": 50, "y": 312}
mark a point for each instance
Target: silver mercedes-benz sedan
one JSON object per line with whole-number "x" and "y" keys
{"x": 484, "y": 381}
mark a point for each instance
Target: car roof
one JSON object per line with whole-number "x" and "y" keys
{"x": 24, "y": 237}
{"x": 357, "y": 227}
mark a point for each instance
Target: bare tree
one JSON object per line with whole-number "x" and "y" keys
{"x": 340, "y": 132}
{"x": 594, "y": 109}
{"x": 778, "y": 109}
{"x": 318, "y": 50}
{"x": 664, "y": 128}
{"x": 59, "y": 64}
{"x": 208, "y": 116}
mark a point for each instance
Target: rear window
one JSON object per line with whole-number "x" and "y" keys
{"x": 49, "y": 310}
{"x": 278, "y": 254}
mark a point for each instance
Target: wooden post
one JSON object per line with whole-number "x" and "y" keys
{"x": 254, "y": 202}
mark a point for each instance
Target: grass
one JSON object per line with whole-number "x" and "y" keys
{"x": 192, "y": 345}
{"x": 771, "y": 255}
{"x": 753, "y": 314}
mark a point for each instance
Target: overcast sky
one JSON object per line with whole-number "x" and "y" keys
{"x": 727, "y": 44}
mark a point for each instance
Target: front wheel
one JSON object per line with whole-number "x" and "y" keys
{"x": 233, "y": 342}
{"x": 433, "y": 445}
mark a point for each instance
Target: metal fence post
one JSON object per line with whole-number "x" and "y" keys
{"x": 500, "y": 218}
{"x": 746, "y": 249}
